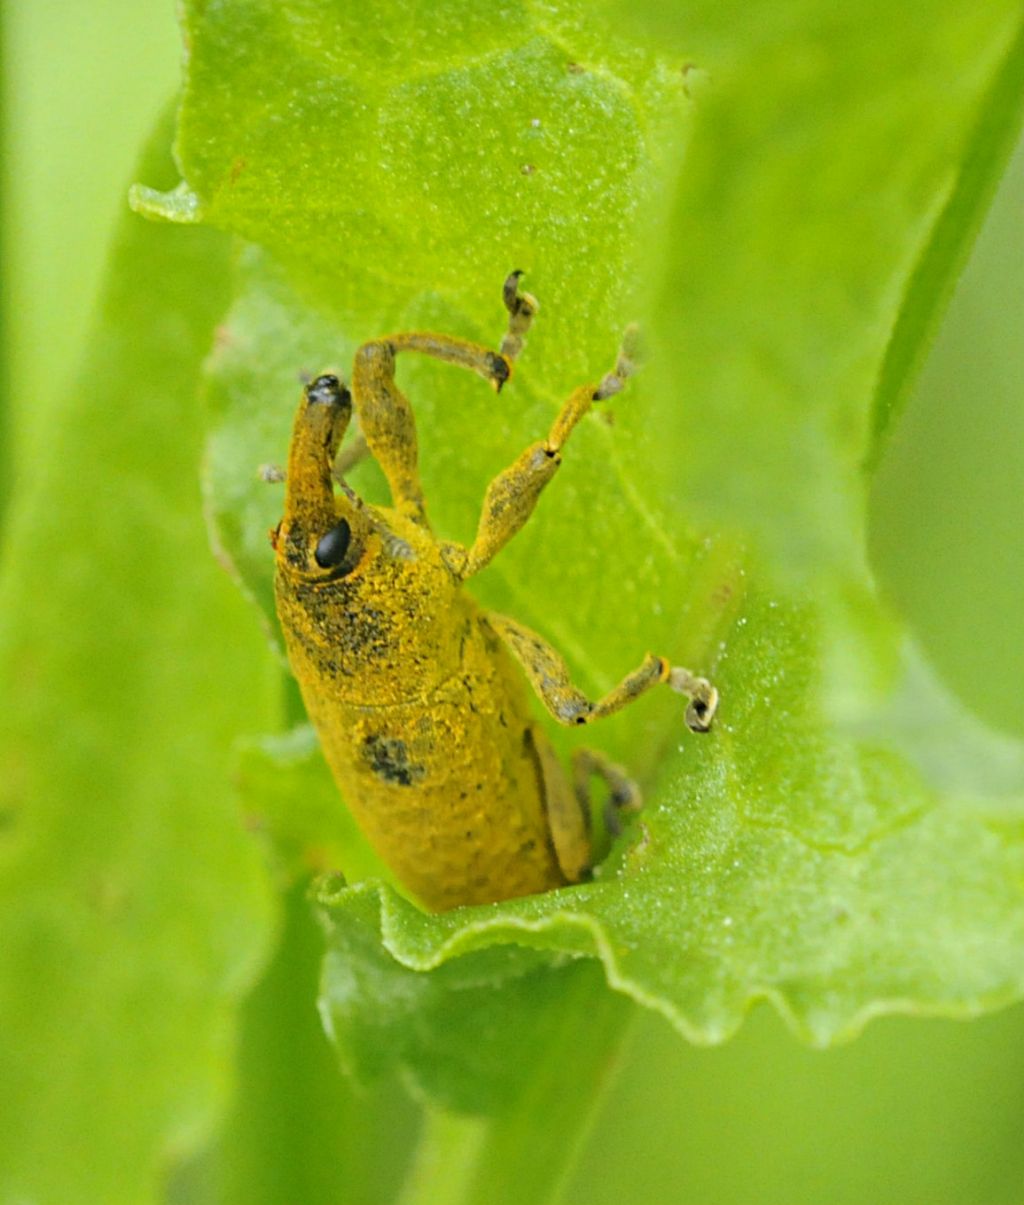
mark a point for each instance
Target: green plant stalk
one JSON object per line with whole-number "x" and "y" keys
{"x": 996, "y": 131}
{"x": 525, "y": 1153}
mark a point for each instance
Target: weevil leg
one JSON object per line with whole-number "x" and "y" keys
{"x": 568, "y": 818}
{"x": 513, "y": 494}
{"x": 623, "y": 793}
{"x": 550, "y": 678}
{"x": 385, "y": 415}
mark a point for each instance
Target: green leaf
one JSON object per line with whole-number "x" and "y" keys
{"x": 289, "y": 797}
{"x": 135, "y": 912}
{"x": 504, "y": 1034}
{"x": 847, "y": 841}
{"x": 832, "y": 181}
{"x": 452, "y": 1030}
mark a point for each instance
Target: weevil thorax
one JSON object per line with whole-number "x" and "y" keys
{"x": 364, "y": 595}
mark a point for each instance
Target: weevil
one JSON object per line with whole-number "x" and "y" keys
{"x": 413, "y": 688}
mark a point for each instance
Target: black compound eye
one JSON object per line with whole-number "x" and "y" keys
{"x": 331, "y": 550}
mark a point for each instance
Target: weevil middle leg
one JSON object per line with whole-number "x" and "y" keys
{"x": 550, "y": 678}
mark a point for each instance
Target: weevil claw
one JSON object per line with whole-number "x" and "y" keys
{"x": 700, "y": 711}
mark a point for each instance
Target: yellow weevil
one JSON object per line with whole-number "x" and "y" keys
{"x": 421, "y": 712}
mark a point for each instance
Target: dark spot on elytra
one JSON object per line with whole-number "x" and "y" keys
{"x": 388, "y": 758}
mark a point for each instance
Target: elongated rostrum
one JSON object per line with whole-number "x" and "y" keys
{"x": 418, "y": 694}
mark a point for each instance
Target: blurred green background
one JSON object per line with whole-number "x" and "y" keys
{"x": 914, "y": 1111}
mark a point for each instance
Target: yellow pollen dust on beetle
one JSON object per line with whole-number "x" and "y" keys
{"x": 412, "y": 687}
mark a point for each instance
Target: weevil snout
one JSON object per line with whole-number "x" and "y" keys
{"x": 327, "y": 390}
{"x": 318, "y": 532}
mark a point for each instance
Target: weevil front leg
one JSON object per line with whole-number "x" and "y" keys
{"x": 385, "y": 415}
{"x": 512, "y": 495}
{"x": 550, "y": 678}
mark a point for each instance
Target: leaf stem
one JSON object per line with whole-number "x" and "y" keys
{"x": 526, "y": 1152}
{"x": 449, "y": 1148}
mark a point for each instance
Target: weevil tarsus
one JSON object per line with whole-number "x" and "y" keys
{"x": 626, "y": 365}
{"x": 521, "y": 310}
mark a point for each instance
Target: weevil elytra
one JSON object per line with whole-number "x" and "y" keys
{"x": 411, "y": 686}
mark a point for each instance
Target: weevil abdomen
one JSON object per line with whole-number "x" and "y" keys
{"x": 447, "y": 785}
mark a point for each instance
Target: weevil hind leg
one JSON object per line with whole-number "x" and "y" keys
{"x": 568, "y": 805}
{"x": 568, "y": 821}
{"x": 624, "y": 797}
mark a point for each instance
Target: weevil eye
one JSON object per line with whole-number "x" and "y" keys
{"x": 331, "y": 550}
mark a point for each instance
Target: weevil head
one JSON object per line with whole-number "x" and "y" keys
{"x": 339, "y": 551}
{"x": 362, "y": 592}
